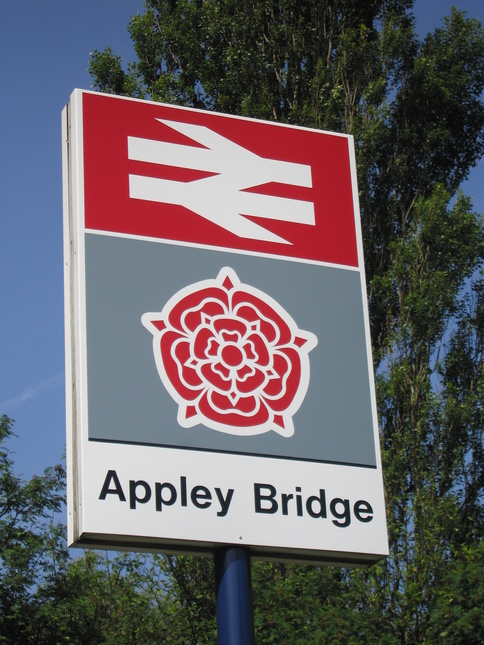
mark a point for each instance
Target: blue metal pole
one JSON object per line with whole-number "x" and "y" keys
{"x": 235, "y": 615}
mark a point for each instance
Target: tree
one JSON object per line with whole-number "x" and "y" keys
{"x": 98, "y": 599}
{"x": 415, "y": 110}
{"x": 30, "y": 543}
{"x": 47, "y": 598}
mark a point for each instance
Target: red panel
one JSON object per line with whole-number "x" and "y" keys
{"x": 108, "y": 121}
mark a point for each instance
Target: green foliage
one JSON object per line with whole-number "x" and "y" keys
{"x": 303, "y": 604}
{"x": 97, "y": 599}
{"x": 457, "y": 616}
{"x": 44, "y": 597}
{"x": 192, "y": 584}
{"x": 110, "y": 76}
{"x": 29, "y": 542}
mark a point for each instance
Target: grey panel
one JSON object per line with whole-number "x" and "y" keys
{"x": 127, "y": 401}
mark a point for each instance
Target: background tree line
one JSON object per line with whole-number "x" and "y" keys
{"x": 415, "y": 109}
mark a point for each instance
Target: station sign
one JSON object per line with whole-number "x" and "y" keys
{"x": 218, "y": 363}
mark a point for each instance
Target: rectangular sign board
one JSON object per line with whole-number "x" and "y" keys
{"x": 218, "y": 363}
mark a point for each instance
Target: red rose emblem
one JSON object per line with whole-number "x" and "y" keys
{"x": 231, "y": 357}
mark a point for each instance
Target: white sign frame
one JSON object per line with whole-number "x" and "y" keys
{"x": 173, "y": 500}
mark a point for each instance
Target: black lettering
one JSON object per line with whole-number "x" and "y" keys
{"x": 344, "y": 515}
{"x": 183, "y": 491}
{"x": 299, "y": 506}
{"x": 117, "y": 490}
{"x": 320, "y": 501}
{"x": 161, "y": 501}
{"x": 133, "y": 497}
{"x": 285, "y": 501}
{"x": 259, "y": 498}
{"x": 361, "y": 507}
{"x": 224, "y": 502}
{"x": 201, "y": 493}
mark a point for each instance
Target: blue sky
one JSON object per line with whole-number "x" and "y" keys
{"x": 44, "y": 49}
